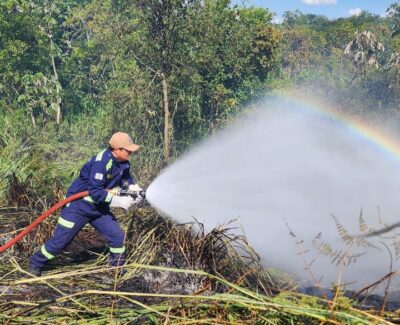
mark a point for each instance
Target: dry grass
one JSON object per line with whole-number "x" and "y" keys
{"x": 175, "y": 274}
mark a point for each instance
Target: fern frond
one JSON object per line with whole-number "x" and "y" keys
{"x": 362, "y": 225}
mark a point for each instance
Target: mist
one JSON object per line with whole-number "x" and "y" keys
{"x": 286, "y": 162}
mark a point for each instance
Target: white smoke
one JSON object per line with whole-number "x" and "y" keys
{"x": 288, "y": 163}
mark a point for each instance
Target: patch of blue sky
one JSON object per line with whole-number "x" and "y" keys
{"x": 329, "y": 8}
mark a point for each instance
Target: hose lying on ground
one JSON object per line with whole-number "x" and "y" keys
{"x": 47, "y": 213}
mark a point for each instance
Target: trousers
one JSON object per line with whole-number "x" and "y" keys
{"x": 73, "y": 219}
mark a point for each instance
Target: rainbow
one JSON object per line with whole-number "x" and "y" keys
{"x": 373, "y": 134}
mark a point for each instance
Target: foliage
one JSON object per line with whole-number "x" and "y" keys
{"x": 394, "y": 13}
{"x": 364, "y": 49}
{"x": 170, "y": 72}
{"x": 21, "y": 49}
{"x": 302, "y": 49}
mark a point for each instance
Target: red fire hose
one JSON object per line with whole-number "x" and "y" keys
{"x": 34, "y": 224}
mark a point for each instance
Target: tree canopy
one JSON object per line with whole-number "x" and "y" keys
{"x": 172, "y": 71}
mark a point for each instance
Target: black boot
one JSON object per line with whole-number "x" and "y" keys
{"x": 35, "y": 272}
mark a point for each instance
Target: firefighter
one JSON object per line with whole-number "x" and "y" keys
{"x": 107, "y": 170}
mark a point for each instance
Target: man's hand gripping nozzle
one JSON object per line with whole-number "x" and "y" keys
{"x": 125, "y": 198}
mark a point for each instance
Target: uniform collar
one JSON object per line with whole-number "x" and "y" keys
{"x": 122, "y": 164}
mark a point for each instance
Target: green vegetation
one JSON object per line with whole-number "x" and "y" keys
{"x": 174, "y": 275}
{"x": 170, "y": 73}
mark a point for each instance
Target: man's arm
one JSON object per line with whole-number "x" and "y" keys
{"x": 96, "y": 183}
{"x": 127, "y": 178}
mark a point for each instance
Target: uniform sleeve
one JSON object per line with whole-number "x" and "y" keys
{"x": 127, "y": 178}
{"x": 96, "y": 183}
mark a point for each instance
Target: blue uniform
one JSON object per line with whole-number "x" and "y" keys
{"x": 101, "y": 172}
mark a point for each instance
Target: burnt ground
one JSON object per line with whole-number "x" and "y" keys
{"x": 362, "y": 301}
{"x": 150, "y": 240}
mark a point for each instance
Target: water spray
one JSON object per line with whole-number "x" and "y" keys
{"x": 300, "y": 163}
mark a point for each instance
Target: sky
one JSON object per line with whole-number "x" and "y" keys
{"x": 330, "y": 8}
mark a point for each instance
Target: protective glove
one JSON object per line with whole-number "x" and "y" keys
{"x": 124, "y": 202}
{"x": 134, "y": 188}
{"x": 115, "y": 191}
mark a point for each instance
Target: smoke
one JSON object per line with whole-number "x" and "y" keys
{"x": 285, "y": 162}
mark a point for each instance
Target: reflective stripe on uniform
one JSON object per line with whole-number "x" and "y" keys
{"x": 100, "y": 155}
{"x": 109, "y": 165}
{"x": 65, "y": 223}
{"x": 89, "y": 199}
{"x": 108, "y": 197}
{"x": 117, "y": 250}
{"x": 46, "y": 253}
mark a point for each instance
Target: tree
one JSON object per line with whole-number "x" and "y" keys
{"x": 21, "y": 49}
{"x": 302, "y": 49}
{"x": 363, "y": 50}
{"x": 169, "y": 70}
{"x": 205, "y": 50}
{"x": 166, "y": 38}
{"x": 51, "y": 15}
{"x": 236, "y": 48}
{"x": 364, "y": 21}
{"x": 31, "y": 35}
{"x": 393, "y": 13}
{"x": 394, "y": 65}
{"x": 339, "y": 34}
{"x": 297, "y": 18}
{"x": 40, "y": 95}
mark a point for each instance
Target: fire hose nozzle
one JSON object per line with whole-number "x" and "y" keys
{"x": 134, "y": 194}
{"x": 142, "y": 193}
{"x": 139, "y": 196}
